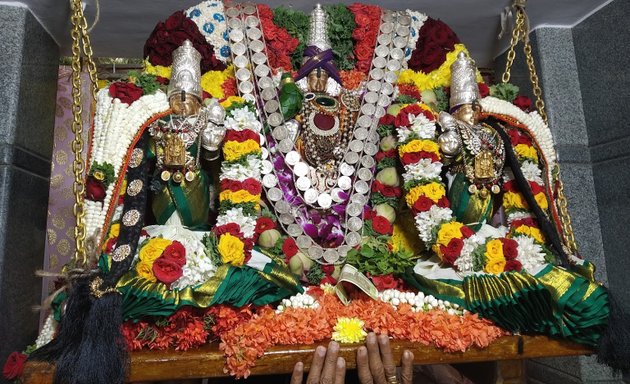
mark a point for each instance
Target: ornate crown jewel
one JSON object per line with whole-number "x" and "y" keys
{"x": 318, "y": 34}
{"x": 186, "y": 72}
{"x": 464, "y": 88}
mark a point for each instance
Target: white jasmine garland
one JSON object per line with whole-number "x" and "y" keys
{"x": 518, "y": 215}
{"x": 532, "y": 172}
{"x": 422, "y": 126}
{"x": 417, "y": 21}
{"x": 242, "y": 118}
{"x": 240, "y": 172}
{"x": 236, "y": 215}
{"x": 425, "y": 221}
{"x": 301, "y": 300}
{"x": 210, "y": 19}
{"x": 419, "y": 301}
{"x": 47, "y": 333}
{"x": 425, "y": 169}
{"x": 530, "y": 254}
{"x": 465, "y": 261}
{"x": 403, "y": 134}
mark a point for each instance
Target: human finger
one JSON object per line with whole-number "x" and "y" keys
{"x": 330, "y": 363}
{"x": 298, "y": 373}
{"x": 316, "y": 366}
{"x": 363, "y": 366}
{"x": 389, "y": 367}
{"x": 406, "y": 371}
{"x": 340, "y": 372}
{"x": 374, "y": 357}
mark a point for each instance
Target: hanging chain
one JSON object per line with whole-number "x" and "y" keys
{"x": 520, "y": 33}
{"x": 79, "y": 35}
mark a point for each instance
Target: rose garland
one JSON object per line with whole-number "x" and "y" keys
{"x": 435, "y": 40}
{"x": 240, "y": 184}
{"x": 367, "y": 19}
{"x": 280, "y": 44}
{"x": 455, "y": 244}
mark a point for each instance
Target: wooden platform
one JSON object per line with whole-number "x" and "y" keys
{"x": 208, "y": 361}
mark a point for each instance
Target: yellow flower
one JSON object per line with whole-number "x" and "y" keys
{"x": 231, "y": 249}
{"x": 328, "y": 289}
{"x": 414, "y": 194}
{"x": 233, "y": 150}
{"x": 430, "y": 146}
{"x": 231, "y": 100}
{"x": 410, "y": 147}
{"x": 438, "y": 78}
{"x": 144, "y": 269}
{"x": 212, "y": 81}
{"x": 434, "y": 191}
{"x": 495, "y": 266}
{"x": 157, "y": 70}
{"x": 349, "y": 330}
{"x": 153, "y": 249}
{"x": 241, "y": 196}
{"x": 541, "y": 200}
{"x": 514, "y": 200}
{"x": 494, "y": 250}
{"x": 114, "y": 231}
{"x": 533, "y": 232}
{"x": 449, "y": 231}
{"x": 527, "y": 152}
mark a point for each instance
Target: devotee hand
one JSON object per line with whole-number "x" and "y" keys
{"x": 326, "y": 368}
{"x": 375, "y": 363}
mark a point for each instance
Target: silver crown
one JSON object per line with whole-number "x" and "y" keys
{"x": 318, "y": 34}
{"x": 464, "y": 88}
{"x": 186, "y": 72}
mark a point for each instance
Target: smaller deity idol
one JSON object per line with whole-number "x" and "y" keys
{"x": 183, "y": 194}
{"x": 473, "y": 150}
{"x": 328, "y": 112}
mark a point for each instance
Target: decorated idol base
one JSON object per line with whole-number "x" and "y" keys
{"x": 344, "y": 201}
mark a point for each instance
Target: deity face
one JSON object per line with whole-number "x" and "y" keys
{"x": 184, "y": 104}
{"x": 317, "y": 80}
{"x": 468, "y": 113}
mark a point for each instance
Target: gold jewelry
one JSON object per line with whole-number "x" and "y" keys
{"x": 392, "y": 379}
{"x": 96, "y": 291}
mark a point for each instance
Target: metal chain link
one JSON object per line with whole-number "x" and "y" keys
{"x": 79, "y": 35}
{"x": 519, "y": 33}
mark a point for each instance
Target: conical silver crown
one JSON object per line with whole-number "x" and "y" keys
{"x": 186, "y": 71}
{"x": 464, "y": 88}
{"x": 318, "y": 34}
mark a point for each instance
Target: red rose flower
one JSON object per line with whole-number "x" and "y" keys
{"x": 513, "y": 265}
{"x": 328, "y": 280}
{"x": 14, "y": 366}
{"x": 94, "y": 189}
{"x": 369, "y": 214}
{"x": 388, "y": 191}
{"x": 466, "y": 232}
{"x": 451, "y": 252}
{"x": 510, "y": 249}
{"x": 263, "y": 224}
{"x": 387, "y": 120}
{"x": 515, "y": 136}
{"x": 386, "y": 282}
{"x": 162, "y": 80}
{"x": 167, "y": 271}
{"x": 289, "y": 248}
{"x": 536, "y": 188}
{"x": 529, "y": 221}
{"x": 241, "y": 136}
{"x": 252, "y": 186}
{"x": 380, "y": 155}
{"x": 432, "y": 57}
{"x": 402, "y": 119}
{"x": 328, "y": 269}
{"x": 231, "y": 228}
{"x": 126, "y": 92}
{"x": 381, "y": 225}
{"x": 523, "y": 102}
{"x": 175, "y": 252}
{"x": 410, "y": 90}
{"x": 411, "y": 158}
{"x": 413, "y": 109}
{"x": 483, "y": 90}
{"x": 510, "y": 186}
{"x": 443, "y": 202}
{"x": 111, "y": 243}
{"x": 423, "y": 204}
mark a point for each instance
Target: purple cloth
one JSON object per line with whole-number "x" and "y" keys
{"x": 318, "y": 59}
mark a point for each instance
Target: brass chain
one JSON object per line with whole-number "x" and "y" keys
{"x": 519, "y": 33}
{"x": 79, "y": 35}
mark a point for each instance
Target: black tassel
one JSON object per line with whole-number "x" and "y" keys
{"x": 614, "y": 345}
{"x": 72, "y": 322}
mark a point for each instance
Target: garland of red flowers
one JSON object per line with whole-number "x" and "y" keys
{"x": 367, "y": 19}
{"x": 280, "y": 44}
{"x": 435, "y": 40}
{"x": 248, "y": 341}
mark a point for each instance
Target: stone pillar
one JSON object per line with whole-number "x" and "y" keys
{"x": 569, "y": 64}
{"x": 28, "y": 79}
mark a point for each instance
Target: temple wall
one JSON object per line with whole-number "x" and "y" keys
{"x": 28, "y": 80}
{"x": 586, "y": 88}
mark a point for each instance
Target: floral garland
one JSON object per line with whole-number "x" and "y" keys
{"x": 116, "y": 124}
{"x": 210, "y": 19}
{"x": 367, "y": 19}
{"x": 435, "y": 40}
{"x": 245, "y": 341}
{"x": 240, "y": 184}
{"x": 456, "y": 245}
{"x": 280, "y": 44}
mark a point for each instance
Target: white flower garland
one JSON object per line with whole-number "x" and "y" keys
{"x": 210, "y": 19}
{"x": 47, "y": 333}
{"x": 115, "y": 126}
{"x": 417, "y": 21}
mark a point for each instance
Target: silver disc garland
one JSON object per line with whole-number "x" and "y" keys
{"x": 356, "y": 169}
